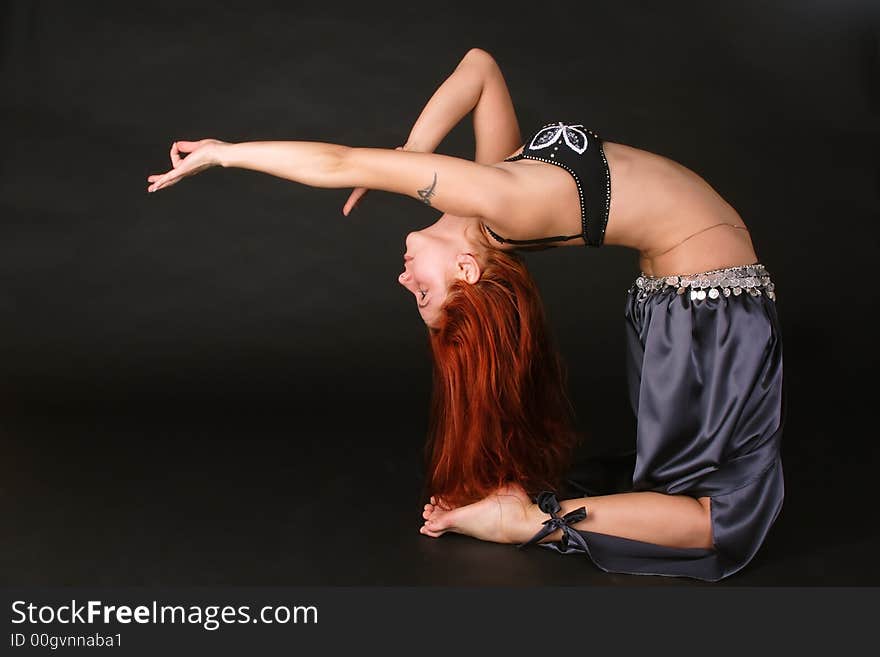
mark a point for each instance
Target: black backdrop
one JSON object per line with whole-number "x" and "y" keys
{"x": 196, "y": 383}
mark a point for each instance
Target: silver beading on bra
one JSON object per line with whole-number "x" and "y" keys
{"x": 749, "y": 279}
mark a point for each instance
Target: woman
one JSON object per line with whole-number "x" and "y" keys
{"x": 704, "y": 357}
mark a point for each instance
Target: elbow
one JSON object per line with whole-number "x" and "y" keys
{"x": 478, "y": 53}
{"x": 335, "y": 167}
{"x": 482, "y": 57}
{"x": 338, "y": 157}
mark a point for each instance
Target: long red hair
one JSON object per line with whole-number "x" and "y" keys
{"x": 499, "y": 411}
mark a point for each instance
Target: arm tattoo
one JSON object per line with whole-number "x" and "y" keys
{"x": 428, "y": 191}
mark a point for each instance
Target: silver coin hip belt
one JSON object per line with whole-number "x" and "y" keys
{"x": 747, "y": 279}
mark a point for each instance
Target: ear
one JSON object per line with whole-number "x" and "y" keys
{"x": 467, "y": 268}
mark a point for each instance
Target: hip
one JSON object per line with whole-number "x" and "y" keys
{"x": 752, "y": 280}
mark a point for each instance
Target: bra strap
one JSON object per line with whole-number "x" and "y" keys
{"x": 539, "y": 240}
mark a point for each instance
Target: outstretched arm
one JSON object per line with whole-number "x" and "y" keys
{"x": 454, "y": 185}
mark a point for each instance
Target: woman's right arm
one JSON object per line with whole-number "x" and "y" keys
{"x": 450, "y": 184}
{"x": 476, "y": 84}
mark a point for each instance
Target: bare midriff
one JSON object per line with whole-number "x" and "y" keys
{"x": 719, "y": 246}
{"x": 667, "y": 212}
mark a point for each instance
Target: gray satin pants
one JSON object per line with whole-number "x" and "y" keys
{"x": 704, "y": 367}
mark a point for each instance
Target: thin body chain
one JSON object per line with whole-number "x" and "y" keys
{"x": 723, "y": 223}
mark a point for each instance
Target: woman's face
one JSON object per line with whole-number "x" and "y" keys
{"x": 426, "y": 268}
{"x": 435, "y": 256}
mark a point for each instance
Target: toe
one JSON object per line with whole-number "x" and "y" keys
{"x": 429, "y": 532}
{"x": 439, "y": 521}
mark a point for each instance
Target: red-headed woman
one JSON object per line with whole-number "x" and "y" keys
{"x": 704, "y": 348}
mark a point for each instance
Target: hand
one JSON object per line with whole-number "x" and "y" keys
{"x": 202, "y": 155}
{"x": 359, "y": 193}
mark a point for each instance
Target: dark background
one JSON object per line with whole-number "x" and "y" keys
{"x": 223, "y": 383}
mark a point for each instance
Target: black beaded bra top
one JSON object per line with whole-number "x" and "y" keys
{"x": 578, "y": 151}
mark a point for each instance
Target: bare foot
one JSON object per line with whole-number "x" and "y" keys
{"x": 435, "y": 502}
{"x": 506, "y": 516}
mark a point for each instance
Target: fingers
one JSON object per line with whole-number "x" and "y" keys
{"x": 175, "y": 155}
{"x": 154, "y": 179}
{"x": 162, "y": 181}
{"x": 187, "y": 146}
{"x": 179, "y": 147}
{"x": 353, "y": 199}
{"x": 181, "y": 166}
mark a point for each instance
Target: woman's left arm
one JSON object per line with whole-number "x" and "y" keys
{"x": 449, "y": 184}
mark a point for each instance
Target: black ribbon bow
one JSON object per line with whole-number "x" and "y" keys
{"x": 548, "y": 503}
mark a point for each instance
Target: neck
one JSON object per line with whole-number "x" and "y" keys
{"x": 469, "y": 229}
